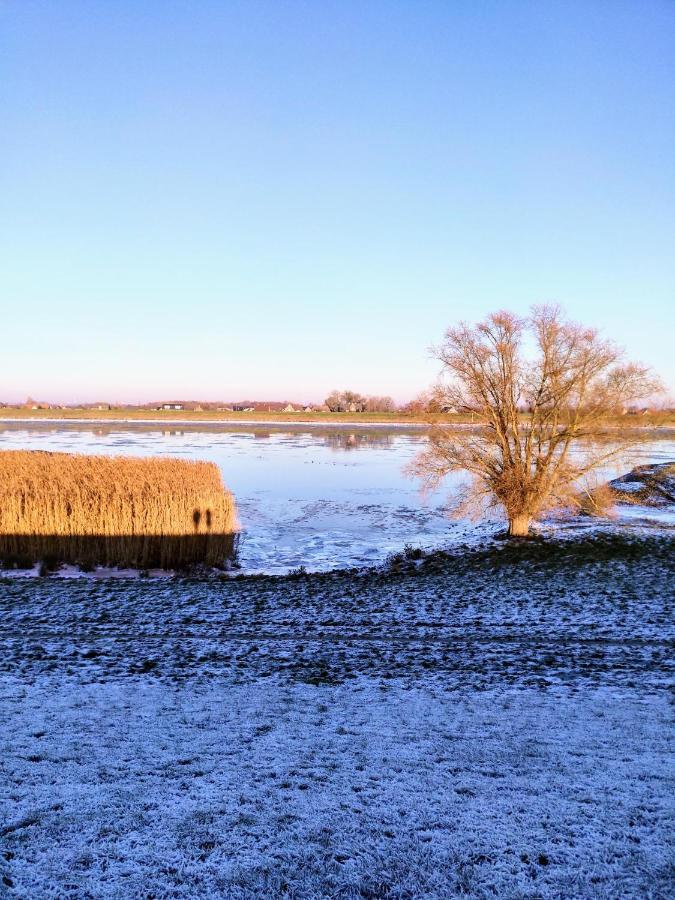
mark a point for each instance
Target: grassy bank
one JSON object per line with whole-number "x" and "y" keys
{"x": 187, "y": 415}
{"x": 650, "y": 420}
{"x": 99, "y": 510}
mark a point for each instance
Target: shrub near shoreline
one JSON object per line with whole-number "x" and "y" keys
{"x": 114, "y": 511}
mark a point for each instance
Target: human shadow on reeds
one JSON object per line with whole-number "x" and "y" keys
{"x": 149, "y": 551}
{"x": 114, "y": 511}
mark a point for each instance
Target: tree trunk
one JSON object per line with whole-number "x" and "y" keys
{"x": 519, "y": 526}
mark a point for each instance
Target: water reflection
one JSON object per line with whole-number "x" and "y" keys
{"x": 341, "y": 440}
{"x": 337, "y": 438}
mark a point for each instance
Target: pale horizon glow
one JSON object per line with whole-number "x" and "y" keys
{"x": 269, "y": 201}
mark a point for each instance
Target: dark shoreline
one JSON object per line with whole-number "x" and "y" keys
{"x": 493, "y": 550}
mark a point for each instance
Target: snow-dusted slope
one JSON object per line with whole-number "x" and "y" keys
{"x": 652, "y": 485}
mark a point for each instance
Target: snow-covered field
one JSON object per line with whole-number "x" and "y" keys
{"x": 494, "y": 723}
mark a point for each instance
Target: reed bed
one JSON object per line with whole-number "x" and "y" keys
{"x": 114, "y": 511}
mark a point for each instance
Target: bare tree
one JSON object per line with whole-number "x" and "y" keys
{"x": 379, "y": 404}
{"x": 530, "y": 409}
{"x": 353, "y": 402}
{"x": 335, "y": 402}
{"x": 350, "y": 401}
{"x": 425, "y": 402}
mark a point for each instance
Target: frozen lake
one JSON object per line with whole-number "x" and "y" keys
{"x": 322, "y": 497}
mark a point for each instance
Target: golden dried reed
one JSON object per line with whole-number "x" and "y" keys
{"x": 100, "y": 510}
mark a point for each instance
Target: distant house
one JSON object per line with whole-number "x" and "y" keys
{"x": 172, "y": 406}
{"x": 289, "y": 408}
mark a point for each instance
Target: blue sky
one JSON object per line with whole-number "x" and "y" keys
{"x": 273, "y": 199}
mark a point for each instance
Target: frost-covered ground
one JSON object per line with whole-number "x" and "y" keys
{"x": 489, "y": 723}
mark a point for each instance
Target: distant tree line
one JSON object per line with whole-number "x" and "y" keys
{"x": 350, "y": 401}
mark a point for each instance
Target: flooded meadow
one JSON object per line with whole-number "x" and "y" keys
{"x": 322, "y": 497}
